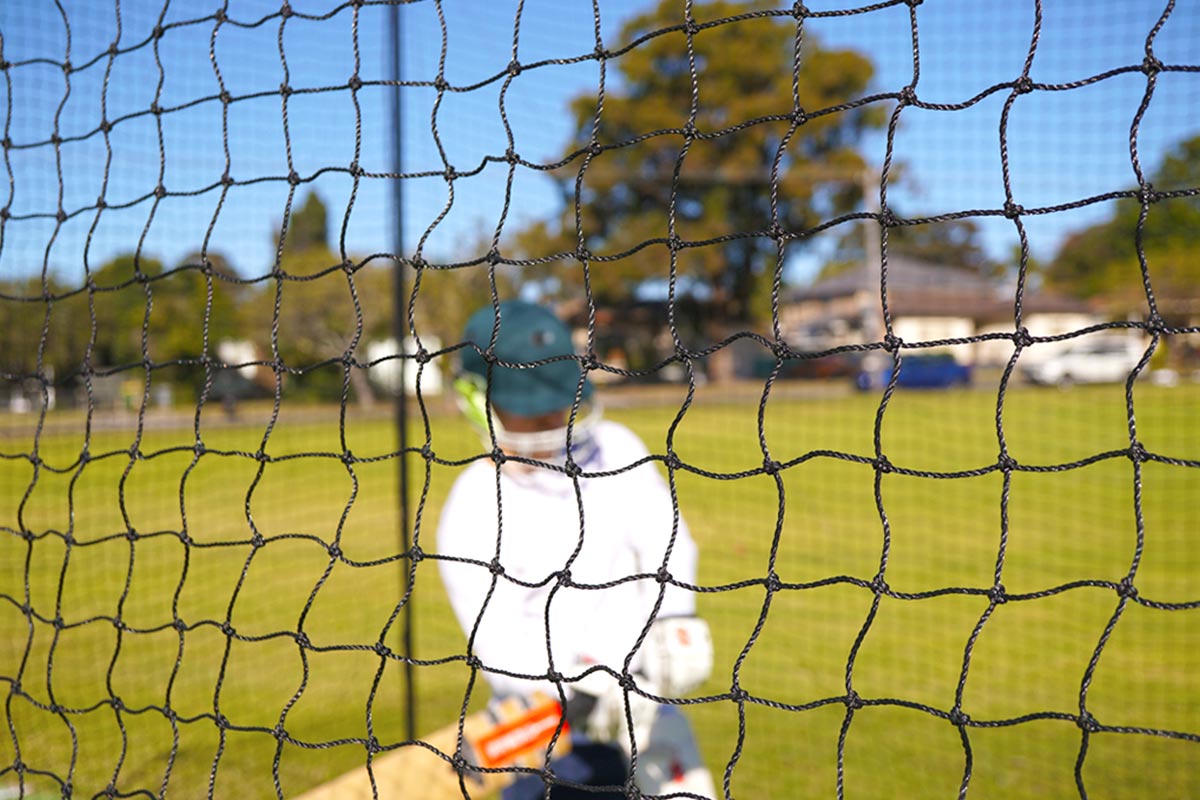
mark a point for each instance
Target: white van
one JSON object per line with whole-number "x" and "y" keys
{"x": 1092, "y": 359}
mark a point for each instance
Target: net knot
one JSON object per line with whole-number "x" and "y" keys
{"x": 61, "y": 216}
{"x": 427, "y": 452}
{"x": 160, "y": 191}
{"x": 595, "y": 149}
{"x": 663, "y": 575}
{"x": 514, "y": 68}
{"x": 1151, "y": 65}
{"x": 571, "y": 469}
{"x": 131, "y": 535}
{"x": 1155, "y": 325}
{"x": 184, "y": 538}
{"x": 499, "y": 457}
{"x": 356, "y": 169}
{"x": 674, "y": 243}
{"x": 7, "y": 142}
{"x": 335, "y": 551}
{"x": 1013, "y": 210}
{"x": 1087, "y": 722}
{"x": 690, "y": 131}
{"x": 879, "y": 585}
{"x": 450, "y": 173}
{"x": 119, "y": 624}
{"x": 853, "y": 701}
{"x": 958, "y": 718}
{"x": 1126, "y": 590}
{"x": 771, "y": 467}
{"x": 222, "y": 721}
{"x": 1007, "y": 462}
{"x": 1023, "y": 85}
{"x": 601, "y": 53}
{"x": 997, "y": 594}
{"x": 155, "y": 108}
{"x": 225, "y": 97}
{"x": 511, "y": 156}
{"x": 626, "y": 682}
{"x": 882, "y": 464}
{"x": 219, "y": 15}
{"x": 4, "y": 213}
{"x": 915, "y": 3}
{"x": 892, "y": 343}
{"x": 116, "y": 703}
{"x": 799, "y": 10}
{"x": 382, "y": 650}
{"x": 473, "y": 661}
{"x": 158, "y": 32}
{"x": 1147, "y": 195}
{"x": 301, "y": 639}
{"x": 495, "y": 567}
{"x": 690, "y": 26}
{"x": 907, "y": 96}
{"x": 179, "y": 625}
{"x": 293, "y": 178}
{"x": 285, "y": 10}
{"x": 227, "y": 629}
{"x": 1023, "y": 338}
{"x": 799, "y": 116}
{"x": 373, "y": 746}
{"x": 355, "y": 83}
{"x": 887, "y": 218}
{"x": 416, "y": 554}
{"x": 564, "y": 577}
{"x": 1138, "y": 453}
{"x": 774, "y": 584}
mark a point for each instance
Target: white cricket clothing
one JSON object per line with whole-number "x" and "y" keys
{"x": 533, "y": 520}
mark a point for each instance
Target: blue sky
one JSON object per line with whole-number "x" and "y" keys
{"x": 1063, "y": 145}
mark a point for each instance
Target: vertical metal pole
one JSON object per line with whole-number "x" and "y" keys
{"x": 399, "y": 315}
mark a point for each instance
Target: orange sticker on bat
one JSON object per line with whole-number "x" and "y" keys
{"x": 520, "y": 736}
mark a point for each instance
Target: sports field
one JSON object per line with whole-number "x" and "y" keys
{"x": 193, "y": 566}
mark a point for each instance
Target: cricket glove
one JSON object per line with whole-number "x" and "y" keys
{"x": 677, "y": 655}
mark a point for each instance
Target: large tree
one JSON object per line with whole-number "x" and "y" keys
{"x": 755, "y": 138}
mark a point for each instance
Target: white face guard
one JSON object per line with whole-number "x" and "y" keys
{"x": 548, "y": 446}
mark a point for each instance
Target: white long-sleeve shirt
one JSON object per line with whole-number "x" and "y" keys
{"x": 625, "y": 529}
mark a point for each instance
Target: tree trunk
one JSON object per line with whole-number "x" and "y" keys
{"x": 362, "y": 388}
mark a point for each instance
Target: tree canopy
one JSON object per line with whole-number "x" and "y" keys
{"x": 1101, "y": 260}
{"x": 744, "y": 150}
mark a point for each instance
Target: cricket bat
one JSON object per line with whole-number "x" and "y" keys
{"x": 513, "y": 732}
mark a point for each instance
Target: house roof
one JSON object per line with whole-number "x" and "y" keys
{"x": 922, "y": 288}
{"x": 903, "y": 273}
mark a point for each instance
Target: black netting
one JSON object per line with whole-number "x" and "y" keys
{"x": 238, "y": 244}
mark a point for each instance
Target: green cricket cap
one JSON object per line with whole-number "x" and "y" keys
{"x": 527, "y": 333}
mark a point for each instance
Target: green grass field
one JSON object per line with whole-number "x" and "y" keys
{"x": 1030, "y": 657}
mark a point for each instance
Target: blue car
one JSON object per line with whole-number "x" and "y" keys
{"x": 918, "y": 370}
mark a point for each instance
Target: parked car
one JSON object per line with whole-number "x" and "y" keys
{"x": 925, "y": 370}
{"x": 1090, "y": 360}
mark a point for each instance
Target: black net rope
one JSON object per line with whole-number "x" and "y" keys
{"x": 25, "y": 768}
